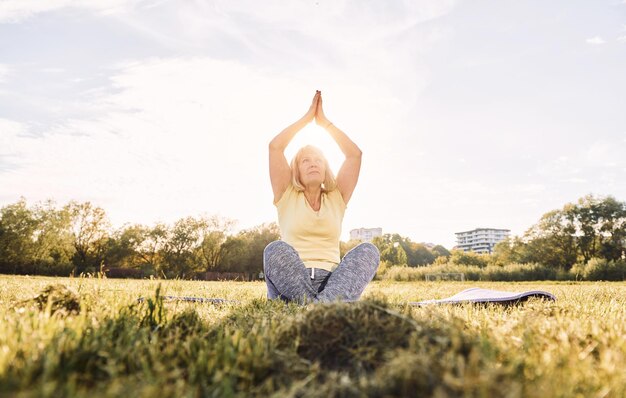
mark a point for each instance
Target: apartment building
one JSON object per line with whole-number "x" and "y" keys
{"x": 365, "y": 234}
{"x": 480, "y": 240}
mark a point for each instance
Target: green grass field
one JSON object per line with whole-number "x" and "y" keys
{"x": 99, "y": 341}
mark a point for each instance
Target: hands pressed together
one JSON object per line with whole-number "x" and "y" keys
{"x": 317, "y": 112}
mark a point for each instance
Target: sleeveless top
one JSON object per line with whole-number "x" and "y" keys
{"x": 314, "y": 234}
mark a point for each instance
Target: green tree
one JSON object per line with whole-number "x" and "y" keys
{"x": 123, "y": 247}
{"x": 418, "y": 254}
{"x": 35, "y": 240}
{"x": 399, "y": 250}
{"x": 590, "y": 228}
{"x": 460, "y": 257}
{"x": 152, "y": 249}
{"x": 244, "y": 251}
{"x": 180, "y": 249}
{"x": 89, "y": 228}
{"x": 213, "y": 234}
{"x": 509, "y": 251}
{"x": 53, "y": 240}
{"x": 612, "y": 230}
{"x": 17, "y": 228}
{"x": 552, "y": 241}
{"x": 440, "y": 251}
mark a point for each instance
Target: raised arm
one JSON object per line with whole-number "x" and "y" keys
{"x": 349, "y": 172}
{"x": 280, "y": 172}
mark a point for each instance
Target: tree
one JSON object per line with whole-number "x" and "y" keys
{"x": 89, "y": 227}
{"x": 17, "y": 228}
{"x": 440, "y": 251}
{"x": 244, "y": 252}
{"x": 591, "y": 227}
{"x": 399, "y": 250}
{"x": 460, "y": 257}
{"x": 345, "y": 247}
{"x": 509, "y": 251}
{"x": 613, "y": 229}
{"x": 552, "y": 240}
{"x": 153, "y": 247}
{"x": 391, "y": 249}
{"x": 179, "y": 251}
{"x": 418, "y": 254}
{"x": 213, "y": 234}
{"x": 123, "y": 247}
{"x": 35, "y": 240}
{"x": 54, "y": 247}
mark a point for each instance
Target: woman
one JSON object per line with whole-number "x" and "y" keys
{"x": 304, "y": 266}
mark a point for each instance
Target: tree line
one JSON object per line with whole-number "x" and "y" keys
{"x": 78, "y": 238}
{"x": 590, "y": 230}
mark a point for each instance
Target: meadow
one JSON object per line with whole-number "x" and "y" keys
{"x": 90, "y": 337}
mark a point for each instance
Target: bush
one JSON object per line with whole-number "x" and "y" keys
{"x": 407, "y": 274}
{"x": 510, "y": 272}
{"x": 519, "y": 272}
{"x": 383, "y": 267}
{"x": 460, "y": 257}
{"x": 599, "y": 269}
{"x": 115, "y": 272}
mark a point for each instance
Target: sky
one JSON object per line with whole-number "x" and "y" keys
{"x": 469, "y": 114}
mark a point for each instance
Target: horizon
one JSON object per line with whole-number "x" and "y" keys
{"x": 468, "y": 114}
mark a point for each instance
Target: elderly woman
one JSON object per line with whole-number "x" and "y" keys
{"x": 305, "y": 266}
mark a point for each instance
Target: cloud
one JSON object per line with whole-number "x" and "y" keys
{"x": 9, "y": 153}
{"x": 622, "y": 39}
{"x": 4, "y": 72}
{"x": 376, "y": 41}
{"x": 604, "y": 153}
{"x": 13, "y": 11}
{"x": 173, "y": 136}
{"x": 596, "y": 40}
{"x": 180, "y": 136}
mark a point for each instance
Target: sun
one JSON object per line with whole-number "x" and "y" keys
{"x": 314, "y": 135}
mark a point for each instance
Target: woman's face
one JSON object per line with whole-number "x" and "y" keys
{"x": 312, "y": 169}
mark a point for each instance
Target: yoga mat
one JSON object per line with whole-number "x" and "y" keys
{"x": 195, "y": 300}
{"x": 478, "y": 295}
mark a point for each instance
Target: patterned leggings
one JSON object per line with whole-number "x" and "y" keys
{"x": 288, "y": 279}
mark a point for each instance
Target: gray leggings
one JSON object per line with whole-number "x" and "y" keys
{"x": 288, "y": 279}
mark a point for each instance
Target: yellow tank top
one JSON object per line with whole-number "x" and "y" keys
{"x": 314, "y": 234}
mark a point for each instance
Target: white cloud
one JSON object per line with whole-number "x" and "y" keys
{"x": 4, "y": 72}
{"x": 10, "y": 129}
{"x": 576, "y": 180}
{"x": 622, "y": 39}
{"x": 53, "y": 70}
{"x": 10, "y": 132}
{"x": 375, "y": 41}
{"x": 13, "y": 11}
{"x": 596, "y": 40}
{"x": 179, "y": 136}
{"x": 183, "y": 136}
{"x": 603, "y": 153}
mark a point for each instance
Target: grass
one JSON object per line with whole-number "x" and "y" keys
{"x": 90, "y": 337}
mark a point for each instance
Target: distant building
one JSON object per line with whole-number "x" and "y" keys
{"x": 365, "y": 234}
{"x": 480, "y": 240}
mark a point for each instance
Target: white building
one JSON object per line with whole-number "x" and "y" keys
{"x": 480, "y": 240}
{"x": 365, "y": 234}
